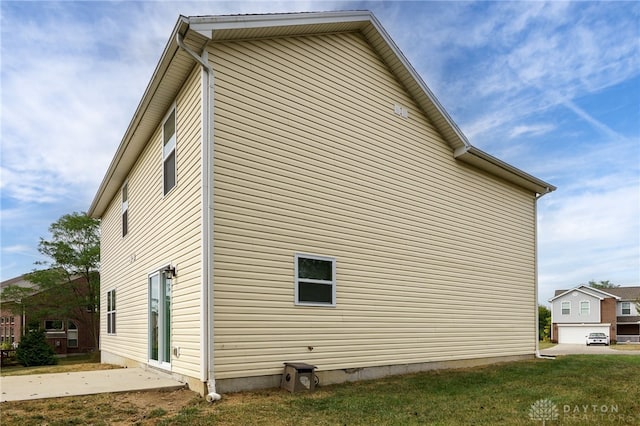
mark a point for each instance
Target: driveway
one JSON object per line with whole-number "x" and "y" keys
{"x": 578, "y": 349}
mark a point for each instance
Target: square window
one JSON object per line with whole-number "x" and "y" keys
{"x": 315, "y": 282}
{"x": 626, "y": 308}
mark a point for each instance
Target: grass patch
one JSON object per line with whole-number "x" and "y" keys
{"x": 496, "y": 394}
{"x": 626, "y": 347}
{"x": 67, "y": 364}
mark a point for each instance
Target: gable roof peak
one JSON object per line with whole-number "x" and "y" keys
{"x": 197, "y": 31}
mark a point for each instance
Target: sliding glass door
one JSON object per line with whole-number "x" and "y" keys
{"x": 160, "y": 319}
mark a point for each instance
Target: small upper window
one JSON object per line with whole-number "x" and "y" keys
{"x": 315, "y": 280}
{"x": 584, "y": 308}
{"x": 125, "y": 209}
{"x": 626, "y": 308}
{"x": 566, "y": 308}
{"x": 169, "y": 152}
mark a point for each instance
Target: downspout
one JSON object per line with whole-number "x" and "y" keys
{"x": 535, "y": 266}
{"x": 208, "y": 149}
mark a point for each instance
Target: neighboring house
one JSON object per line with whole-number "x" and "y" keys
{"x": 290, "y": 190}
{"x": 65, "y": 333}
{"x": 582, "y": 310}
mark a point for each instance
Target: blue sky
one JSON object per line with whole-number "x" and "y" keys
{"x": 552, "y": 88}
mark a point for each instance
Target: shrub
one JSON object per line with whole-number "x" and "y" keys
{"x": 33, "y": 350}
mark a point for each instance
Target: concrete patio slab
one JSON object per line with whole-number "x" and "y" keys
{"x": 40, "y": 386}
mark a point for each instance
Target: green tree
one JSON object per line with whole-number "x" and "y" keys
{"x": 602, "y": 284}
{"x": 71, "y": 279}
{"x": 544, "y": 323}
{"x": 17, "y": 299}
{"x": 34, "y": 350}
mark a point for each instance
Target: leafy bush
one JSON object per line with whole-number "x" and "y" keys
{"x": 33, "y": 350}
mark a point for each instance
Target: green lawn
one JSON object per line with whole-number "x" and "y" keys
{"x": 584, "y": 389}
{"x": 67, "y": 364}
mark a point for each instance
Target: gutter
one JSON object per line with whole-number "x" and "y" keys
{"x": 474, "y": 156}
{"x": 207, "y": 152}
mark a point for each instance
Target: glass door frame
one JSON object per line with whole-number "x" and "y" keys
{"x": 159, "y": 322}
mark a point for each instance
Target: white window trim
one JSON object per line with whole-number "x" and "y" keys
{"x": 588, "y": 307}
{"x": 163, "y": 364}
{"x": 332, "y": 282}
{"x": 171, "y": 147}
{"x": 112, "y": 311}
{"x": 622, "y": 307}
{"x": 562, "y": 308}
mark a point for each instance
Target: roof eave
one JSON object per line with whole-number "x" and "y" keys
{"x": 208, "y": 25}
{"x": 214, "y": 27}
{"x": 480, "y": 159}
{"x": 583, "y": 289}
{"x": 128, "y": 151}
{"x": 463, "y": 150}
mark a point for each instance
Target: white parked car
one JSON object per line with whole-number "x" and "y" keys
{"x": 597, "y": 339}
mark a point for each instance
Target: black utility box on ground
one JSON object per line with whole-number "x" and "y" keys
{"x": 299, "y": 377}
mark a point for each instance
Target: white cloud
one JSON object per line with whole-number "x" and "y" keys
{"x": 531, "y": 130}
{"x": 20, "y": 248}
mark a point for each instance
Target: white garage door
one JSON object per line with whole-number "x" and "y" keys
{"x": 570, "y": 333}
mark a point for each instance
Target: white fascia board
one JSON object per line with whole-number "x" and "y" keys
{"x": 581, "y": 290}
{"x": 419, "y": 81}
{"x": 474, "y": 156}
{"x": 206, "y": 25}
{"x": 127, "y": 154}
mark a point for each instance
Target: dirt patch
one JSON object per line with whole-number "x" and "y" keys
{"x": 141, "y": 408}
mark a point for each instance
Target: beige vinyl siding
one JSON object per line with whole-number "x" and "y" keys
{"x": 435, "y": 260}
{"x": 162, "y": 230}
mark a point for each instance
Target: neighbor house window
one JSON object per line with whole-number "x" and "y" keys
{"x": 125, "y": 209}
{"x": 626, "y": 308}
{"x": 169, "y": 152}
{"x": 315, "y": 280}
{"x": 566, "y": 308}
{"x": 584, "y": 308}
{"x": 72, "y": 334}
{"x": 111, "y": 312}
{"x": 53, "y": 325}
